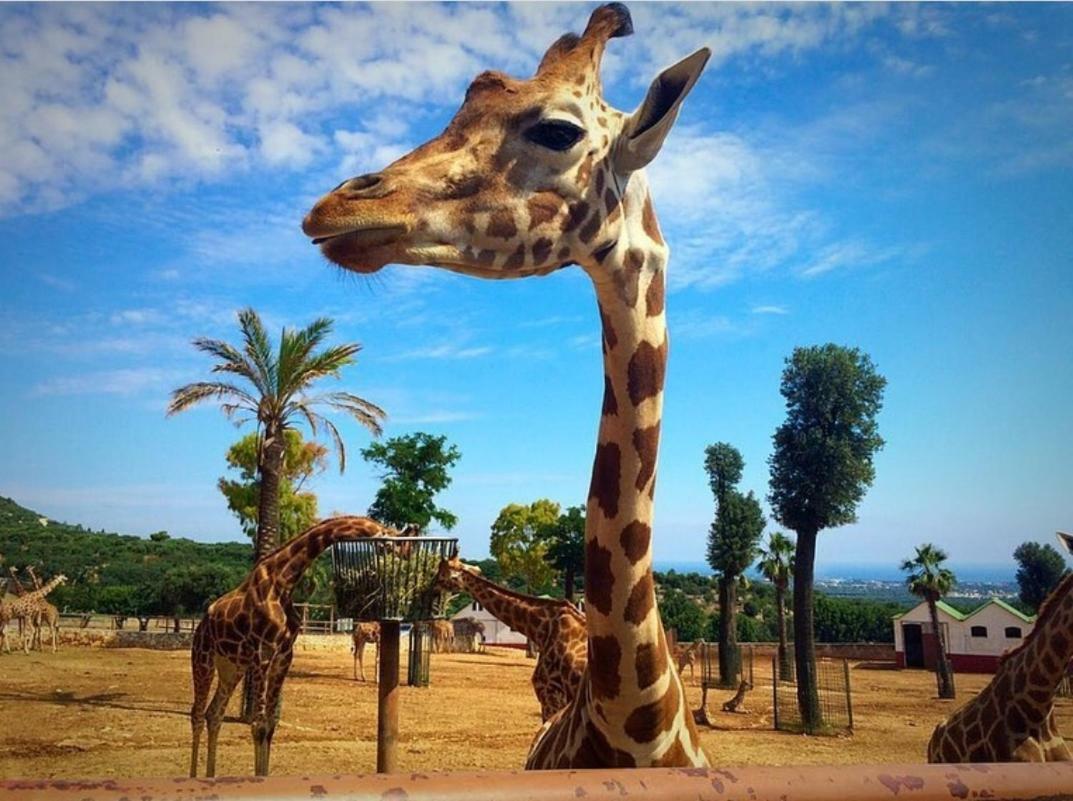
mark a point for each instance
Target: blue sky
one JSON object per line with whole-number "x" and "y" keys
{"x": 894, "y": 177}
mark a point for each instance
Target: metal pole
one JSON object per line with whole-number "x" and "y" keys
{"x": 775, "y": 688}
{"x": 849, "y": 702}
{"x": 387, "y": 722}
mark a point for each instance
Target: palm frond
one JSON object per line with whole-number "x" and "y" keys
{"x": 326, "y": 363}
{"x": 259, "y": 350}
{"x": 191, "y": 394}
{"x": 295, "y": 349}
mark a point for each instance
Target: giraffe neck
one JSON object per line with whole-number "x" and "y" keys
{"x": 285, "y": 566}
{"x": 16, "y": 586}
{"x": 520, "y": 612}
{"x": 1038, "y": 665}
{"x": 38, "y": 595}
{"x": 629, "y": 664}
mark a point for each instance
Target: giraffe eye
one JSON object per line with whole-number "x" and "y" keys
{"x": 555, "y": 134}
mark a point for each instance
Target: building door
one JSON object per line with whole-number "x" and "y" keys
{"x": 913, "y": 636}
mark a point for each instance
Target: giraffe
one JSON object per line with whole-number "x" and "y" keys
{"x": 253, "y": 629}
{"x": 553, "y": 625}
{"x": 1012, "y": 718}
{"x": 48, "y": 615}
{"x": 687, "y": 657}
{"x": 27, "y": 609}
{"x": 363, "y": 634}
{"x": 531, "y": 176}
{"x": 734, "y": 704}
{"x": 469, "y": 635}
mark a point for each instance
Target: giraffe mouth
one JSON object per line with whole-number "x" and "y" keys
{"x": 369, "y": 237}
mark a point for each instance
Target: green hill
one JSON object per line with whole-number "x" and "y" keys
{"x": 116, "y": 573}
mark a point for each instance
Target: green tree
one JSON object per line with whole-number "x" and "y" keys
{"x": 928, "y": 579}
{"x": 566, "y": 547}
{"x": 415, "y": 469}
{"x": 732, "y": 541}
{"x": 1039, "y": 569}
{"x": 777, "y": 565}
{"x": 679, "y": 612}
{"x": 821, "y": 467}
{"x": 274, "y": 392}
{"x": 297, "y": 507}
{"x": 520, "y": 542}
{"x": 734, "y": 535}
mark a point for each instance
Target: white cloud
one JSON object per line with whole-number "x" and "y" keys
{"x": 126, "y": 381}
{"x": 441, "y": 352}
{"x": 770, "y": 310}
{"x": 104, "y": 97}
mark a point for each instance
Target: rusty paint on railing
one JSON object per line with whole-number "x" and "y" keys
{"x": 1012, "y": 782}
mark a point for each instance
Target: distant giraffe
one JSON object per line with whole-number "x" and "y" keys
{"x": 1012, "y": 718}
{"x": 529, "y": 177}
{"x": 735, "y": 704}
{"x": 554, "y": 626}
{"x": 27, "y": 609}
{"x": 253, "y": 629}
{"x": 687, "y": 657}
{"x": 364, "y": 634}
{"x": 48, "y": 615}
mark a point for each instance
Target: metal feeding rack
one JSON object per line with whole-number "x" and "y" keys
{"x": 390, "y": 580}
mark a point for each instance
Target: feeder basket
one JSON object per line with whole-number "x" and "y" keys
{"x": 390, "y": 578}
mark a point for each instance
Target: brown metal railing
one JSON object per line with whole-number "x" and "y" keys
{"x": 1010, "y": 782}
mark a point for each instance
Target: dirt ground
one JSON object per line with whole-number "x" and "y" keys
{"x": 91, "y": 712}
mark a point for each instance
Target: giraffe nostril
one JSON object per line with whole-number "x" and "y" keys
{"x": 359, "y": 184}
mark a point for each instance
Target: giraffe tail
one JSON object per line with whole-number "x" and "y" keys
{"x": 203, "y": 670}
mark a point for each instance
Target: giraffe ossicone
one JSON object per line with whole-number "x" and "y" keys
{"x": 531, "y": 176}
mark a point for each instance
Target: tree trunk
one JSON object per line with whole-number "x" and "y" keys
{"x": 944, "y": 676}
{"x": 729, "y": 656}
{"x": 269, "y": 469}
{"x": 784, "y": 652}
{"x": 808, "y": 697}
{"x": 568, "y": 584}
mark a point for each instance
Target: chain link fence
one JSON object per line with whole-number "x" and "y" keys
{"x": 835, "y": 694}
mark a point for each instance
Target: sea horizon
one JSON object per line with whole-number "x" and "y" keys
{"x": 865, "y": 571}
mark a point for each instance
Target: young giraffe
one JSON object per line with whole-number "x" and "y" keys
{"x": 1012, "y": 719}
{"x": 531, "y": 176}
{"x": 48, "y": 615}
{"x": 27, "y": 610}
{"x": 555, "y": 626}
{"x": 253, "y": 629}
{"x": 364, "y": 634}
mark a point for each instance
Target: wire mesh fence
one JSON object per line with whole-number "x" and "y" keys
{"x": 709, "y": 666}
{"x": 835, "y": 698}
{"x": 419, "y": 660}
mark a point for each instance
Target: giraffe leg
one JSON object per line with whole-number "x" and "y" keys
{"x": 203, "y": 671}
{"x": 268, "y": 681}
{"x": 228, "y": 675}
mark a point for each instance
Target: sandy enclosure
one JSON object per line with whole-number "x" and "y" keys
{"x": 124, "y": 712}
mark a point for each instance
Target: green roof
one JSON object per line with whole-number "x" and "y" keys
{"x": 961, "y": 616}
{"x": 1013, "y": 610}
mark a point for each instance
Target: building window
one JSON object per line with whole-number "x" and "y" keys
{"x": 978, "y": 631}
{"x": 1013, "y": 632}
{"x": 476, "y": 606}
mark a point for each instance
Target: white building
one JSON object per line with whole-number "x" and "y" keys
{"x": 974, "y": 641}
{"x": 495, "y": 631}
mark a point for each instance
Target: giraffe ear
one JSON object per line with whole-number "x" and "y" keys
{"x": 643, "y": 135}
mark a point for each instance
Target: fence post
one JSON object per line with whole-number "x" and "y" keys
{"x": 387, "y": 714}
{"x": 849, "y": 701}
{"x": 775, "y": 689}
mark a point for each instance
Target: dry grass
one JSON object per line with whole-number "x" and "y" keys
{"x": 97, "y": 712}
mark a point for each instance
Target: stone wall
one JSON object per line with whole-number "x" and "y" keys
{"x": 857, "y": 651}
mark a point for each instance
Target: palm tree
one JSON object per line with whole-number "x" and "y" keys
{"x": 929, "y": 580}
{"x": 275, "y": 394}
{"x": 777, "y": 565}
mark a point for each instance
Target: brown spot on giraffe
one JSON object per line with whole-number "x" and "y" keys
{"x": 575, "y": 215}
{"x": 635, "y": 539}
{"x": 604, "y": 666}
{"x": 541, "y": 250}
{"x": 610, "y": 401}
{"x": 648, "y": 222}
{"x": 598, "y": 576}
{"x": 639, "y": 604}
{"x": 543, "y": 208}
{"x": 516, "y": 260}
{"x": 646, "y": 372}
{"x": 501, "y": 225}
{"x": 646, "y": 443}
{"x": 648, "y": 721}
{"x": 591, "y": 228}
{"x": 606, "y": 474}
{"x": 654, "y": 296}
{"x": 650, "y": 663}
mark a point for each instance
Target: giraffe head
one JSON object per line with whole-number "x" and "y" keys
{"x": 529, "y": 176}
{"x": 449, "y": 575}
